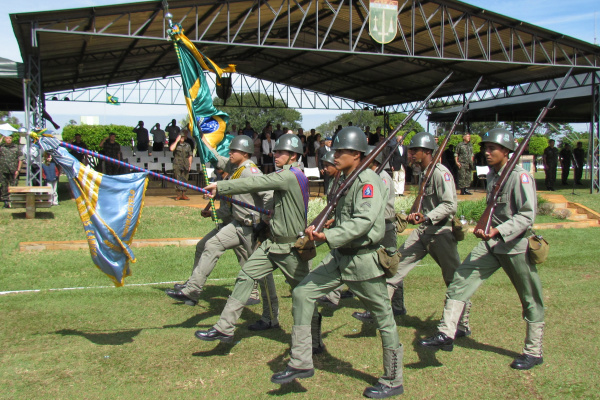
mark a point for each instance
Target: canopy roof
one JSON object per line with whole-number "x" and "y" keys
{"x": 322, "y": 46}
{"x": 11, "y": 85}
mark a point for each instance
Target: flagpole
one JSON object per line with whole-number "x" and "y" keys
{"x": 164, "y": 177}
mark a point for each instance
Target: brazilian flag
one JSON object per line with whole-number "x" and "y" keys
{"x": 112, "y": 100}
{"x": 205, "y": 120}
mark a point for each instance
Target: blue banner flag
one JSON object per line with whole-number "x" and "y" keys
{"x": 205, "y": 120}
{"x": 110, "y": 208}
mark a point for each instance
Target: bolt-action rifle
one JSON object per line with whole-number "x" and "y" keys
{"x": 417, "y": 206}
{"x": 320, "y": 220}
{"x": 485, "y": 221}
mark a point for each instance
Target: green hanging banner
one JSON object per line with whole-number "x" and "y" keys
{"x": 383, "y": 17}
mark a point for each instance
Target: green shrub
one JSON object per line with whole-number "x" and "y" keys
{"x": 472, "y": 210}
{"x": 92, "y": 135}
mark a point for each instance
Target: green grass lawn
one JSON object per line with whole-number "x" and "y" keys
{"x": 135, "y": 342}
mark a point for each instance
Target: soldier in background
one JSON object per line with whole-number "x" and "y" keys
{"x": 463, "y": 155}
{"x": 182, "y": 163}
{"x": 505, "y": 246}
{"x": 11, "y": 159}
{"x": 550, "y": 159}
{"x": 566, "y": 156}
{"x": 111, "y": 149}
{"x": 158, "y": 138}
{"x": 173, "y": 130}
{"x": 579, "y": 161}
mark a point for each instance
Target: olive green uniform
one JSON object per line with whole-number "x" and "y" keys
{"x": 235, "y": 233}
{"x": 390, "y": 238}
{"x": 434, "y": 238}
{"x": 551, "y": 161}
{"x": 513, "y": 217}
{"x": 9, "y": 162}
{"x": 181, "y": 163}
{"x": 358, "y": 230}
{"x": 464, "y": 153}
{"x": 112, "y": 150}
{"x": 289, "y": 219}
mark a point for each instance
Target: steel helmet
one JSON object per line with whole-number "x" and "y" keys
{"x": 328, "y": 157}
{"x": 424, "y": 140}
{"x": 499, "y": 136}
{"x": 350, "y": 138}
{"x": 379, "y": 157}
{"x": 289, "y": 142}
{"x": 242, "y": 143}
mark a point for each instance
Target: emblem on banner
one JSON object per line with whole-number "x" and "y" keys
{"x": 383, "y": 20}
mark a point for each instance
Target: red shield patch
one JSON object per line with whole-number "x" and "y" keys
{"x": 367, "y": 191}
{"x": 254, "y": 170}
{"x": 447, "y": 177}
{"x": 524, "y": 178}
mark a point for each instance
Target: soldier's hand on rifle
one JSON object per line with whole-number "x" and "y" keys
{"x": 480, "y": 233}
{"x": 206, "y": 213}
{"x": 415, "y": 218}
{"x": 312, "y": 235}
{"x": 212, "y": 188}
{"x": 329, "y": 223}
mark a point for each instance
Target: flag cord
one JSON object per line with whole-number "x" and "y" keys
{"x": 164, "y": 177}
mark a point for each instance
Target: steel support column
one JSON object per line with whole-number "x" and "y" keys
{"x": 34, "y": 103}
{"x": 594, "y": 148}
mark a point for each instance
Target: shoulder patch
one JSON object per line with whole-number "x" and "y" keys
{"x": 367, "y": 191}
{"x": 254, "y": 170}
{"x": 524, "y": 178}
{"x": 384, "y": 180}
{"x": 447, "y": 177}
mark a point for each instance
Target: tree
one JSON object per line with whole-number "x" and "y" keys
{"x": 272, "y": 111}
{"x": 363, "y": 118}
{"x": 6, "y": 118}
{"x": 537, "y": 145}
{"x": 72, "y": 122}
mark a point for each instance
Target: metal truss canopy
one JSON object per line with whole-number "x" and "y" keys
{"x": 315, "y": 45}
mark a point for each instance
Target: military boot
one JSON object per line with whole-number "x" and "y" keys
{"x": 318, "y": 346}
{"x": 444, "y": 338}
{"x": 396, "y": 295}
{"x": 532, "y": 352}
{"x": 390, "y": 384}
{"x": 464, "y": 329}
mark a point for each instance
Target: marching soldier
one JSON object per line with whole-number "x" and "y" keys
{"x": 359, "y": 228}
{"x": 10, "y": 165}
{"x": 464, "y": 162}
{"x": 505, "y": 246}
{"x": 290, "y": 198}
{"x": 235, "y": 233}
{"x": 434, "y": 233}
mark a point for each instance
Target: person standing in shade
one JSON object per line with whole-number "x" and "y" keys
{"x": 182, "y": 162}
{"x": 397, "y": 162}
{"x": 235, "y": 233}
{"x": 550, "y": 159}
{"x": 51, "y": 174}
{"x": 82, "y": 158}
{"x": 463, "y": 156}
{"x": 233, "y": 131}
{"x": 111, "y": 149}
{"x": 290, "y": 204}
{"x": 565, "y": 155}
{"x": 433, "y": 235}
{"x": 173, "y": 131}
{"x": 358, "y": 229}
{"x": 504, "y": 246}
{"x": 579, "y": 161}
{"x": 142, "y": 137}
{"x": 320, "y": 154}
{"x": 267, "y": 151}
{"x": 158, "y": 138}
{"x": 248, "y": 130}
{"x": 10, "y": 165}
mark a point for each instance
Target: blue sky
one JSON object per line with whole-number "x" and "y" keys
{"x": 572, "y": 18}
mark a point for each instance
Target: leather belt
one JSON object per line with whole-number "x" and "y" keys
{"x": 357, "y": 251}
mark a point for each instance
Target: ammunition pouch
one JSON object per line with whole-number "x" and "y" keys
{"x": 458, "y": 230}
{"x": 388, "y": 261}
{"x": 401, "y": 222}
{"x": 537, "y": 249}
{"x": 306, "y": 248}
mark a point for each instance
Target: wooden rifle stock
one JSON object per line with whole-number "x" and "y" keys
{"x": 320, "y": 220}
{"x": 485, "y": 221}
{"x": 417, "y": 206}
